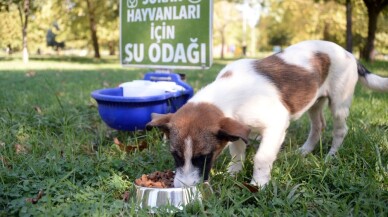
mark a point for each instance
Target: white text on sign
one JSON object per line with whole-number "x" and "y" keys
{"x": 183, "y": 12}
{"x": 166, "y": 53}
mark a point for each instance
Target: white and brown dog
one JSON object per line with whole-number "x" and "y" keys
{"x": 262, "y": 96}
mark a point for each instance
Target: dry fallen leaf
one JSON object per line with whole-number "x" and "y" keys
{"x": 59, "y": 93}
{"x": 36, "y": 199}
{"x": 105, "y": 84}
{"x": 92, "y": 103}
{"x": 38, "y": 110}
{"x": 116, "y": 141}
{"x": 30, "y": 74}
{"x": 251, "y": 188}
{"x": 126, "y": 196}
{"x": 20, "y": 149}
{"x": 5, "y": 163}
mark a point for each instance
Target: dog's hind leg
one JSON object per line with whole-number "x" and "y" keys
{"x": 317, "y": 125}
{"x": 339, "y": 128}
{"x": 340, "y": 109}
{"x": 340, "y": 96}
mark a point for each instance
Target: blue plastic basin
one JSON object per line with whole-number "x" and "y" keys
{"x": 133, "y": 113}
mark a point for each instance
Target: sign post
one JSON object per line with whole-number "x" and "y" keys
{"x": 166, "y": 34}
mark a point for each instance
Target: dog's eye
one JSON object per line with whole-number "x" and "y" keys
{"x": 179, "y": 161}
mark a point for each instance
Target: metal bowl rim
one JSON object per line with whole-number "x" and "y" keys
{"x": 165, "y": 189}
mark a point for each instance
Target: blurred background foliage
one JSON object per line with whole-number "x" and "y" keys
{"x": 91, "y": 27}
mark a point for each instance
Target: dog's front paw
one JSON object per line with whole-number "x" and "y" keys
{"x": 330, "y": 156}
{"x": 234, "y": 168}
{"x": 260, "y": 182}
{"x": 304, "y": 151}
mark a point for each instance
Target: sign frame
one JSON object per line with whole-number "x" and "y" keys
{"x": 159, "y": 65}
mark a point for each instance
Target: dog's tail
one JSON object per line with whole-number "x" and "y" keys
{"x": 371, "y": 81}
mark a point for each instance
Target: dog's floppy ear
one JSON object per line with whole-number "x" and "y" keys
{"x": 233, "y": 130}
{"x": 160, "y": 121}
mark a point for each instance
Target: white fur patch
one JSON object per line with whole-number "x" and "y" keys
{"x": 188, "y": 154}
{"x": 187, "y": 175}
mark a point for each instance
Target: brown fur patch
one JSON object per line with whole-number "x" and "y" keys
{"x": 321, "y": 63}
{"x": 200, "y": 122}
{"x": 296, "y": 84}
{"x": 227, "y": 74}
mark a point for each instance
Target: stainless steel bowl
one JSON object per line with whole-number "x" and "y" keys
{"x": 153, "y": 198}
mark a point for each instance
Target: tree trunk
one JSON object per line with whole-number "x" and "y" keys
{"x": 222, "y": 43}
{"x": 367, "y": 53}
{"x": 349, "y": 35}
{"x": 326, "y": 31}
{"x": 111, "y": 46}
{"x": 25, "y": 50}
{"x": 93, "y": 29}
{"x": 24, "y": 23}
{"x": 374, "y": 8}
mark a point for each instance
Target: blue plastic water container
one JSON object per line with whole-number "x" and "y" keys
{"x": 133, "y": 113}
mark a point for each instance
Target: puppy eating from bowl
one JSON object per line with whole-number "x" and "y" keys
{"x": 251, "y": 96}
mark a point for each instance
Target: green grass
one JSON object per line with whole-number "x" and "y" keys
{"x": 52, "y": 139}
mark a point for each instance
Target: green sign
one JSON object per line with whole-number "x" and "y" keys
{"x": 166, "y": 34}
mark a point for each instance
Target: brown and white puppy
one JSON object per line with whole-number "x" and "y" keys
{"x": 262, "y": 96}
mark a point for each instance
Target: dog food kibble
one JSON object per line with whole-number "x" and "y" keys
{"x": 157, "y": 180}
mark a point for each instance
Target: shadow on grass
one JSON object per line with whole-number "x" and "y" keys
{"x": 77, "y": 59}
{"x": 72, "y": 59}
